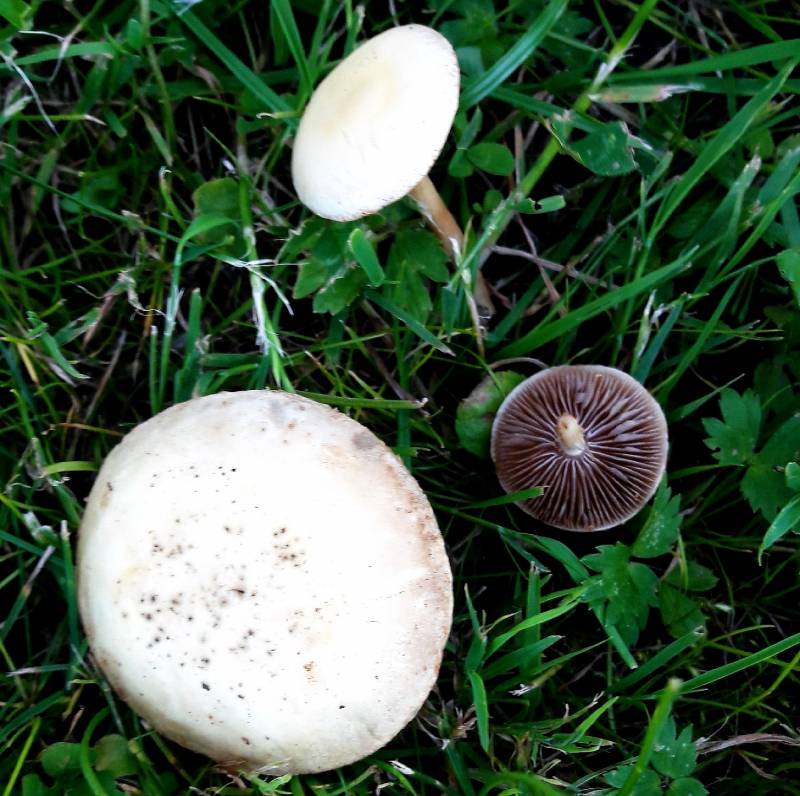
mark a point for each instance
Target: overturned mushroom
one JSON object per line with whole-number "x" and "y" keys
{"x": 592, "y": 436}
{"x": 263, "y": 581}
{"x": 374, "y": 127}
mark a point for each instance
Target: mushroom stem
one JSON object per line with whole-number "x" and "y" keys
{"x": 438, "y": 216}
{"x": 571, "y": 435}
{"x": 443, "y": 223}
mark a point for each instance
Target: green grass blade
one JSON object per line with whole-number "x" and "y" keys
{"x": 657, "y": 721}
{"x": 739, "y": 59}
{"x": 658, "y": 661}
{"x": 728, "y": 136}
{"x": 555, "y": 329}
{"x": 283, "y": 11}
{"x": 517, "y": 55}
{"x": 413, "y": 324}
{"x": 730, "y": 669}
{"x": 273, "y": 103}
{"x": 481, "y": 708}
{"x": 697, "y": 347}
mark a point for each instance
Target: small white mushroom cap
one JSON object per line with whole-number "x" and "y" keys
{"x": 376, "y": 124}
{"x": 264, "y": 582}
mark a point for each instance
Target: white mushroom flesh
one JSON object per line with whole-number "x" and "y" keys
{"x": 376, "y": 124}
{"x": 264, "y": 582}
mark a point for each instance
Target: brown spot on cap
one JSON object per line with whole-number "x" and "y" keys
{"x": 591, "y": 436}
{"x": 364, "y": 440}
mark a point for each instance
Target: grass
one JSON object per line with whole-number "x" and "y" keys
{"x": 644, "y": 159}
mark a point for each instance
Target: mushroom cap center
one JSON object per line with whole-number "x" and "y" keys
{"x": 570, "y": 435}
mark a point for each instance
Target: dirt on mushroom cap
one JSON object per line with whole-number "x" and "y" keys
{"x": 263, "y": 581}
{"x": 618, "y": 469}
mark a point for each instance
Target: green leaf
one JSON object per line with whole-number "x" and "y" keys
{"x": 115, "y": 756}
{"x": 415, "y": 254}
{"x": 97, "y": 188}
{"x": 687, "y": 786}
{"x": 61, "y": 758}
{"x": 364, "y": 253}
{"x": 734, "y": 437}
{"x": 674, "y": 756}
{"x": 649, "y": 783}
{"x": 475, "y": 414}
{"x": 694, "y": 577}
{"x": 492, "y": 158}
{"x": 51, "y": 346}
{"x": 773, "y": 385}
{"x": 764, "y": 484}
{"x": 311, "y": 276}
{"x": 341, "y": 290}
{"x": 765, "y": 490}
{"x": 32, "y": 785}
{"x": 787, "y": 520}
{"x": 606, "y": 151}
{"x": 793, "y": 476}
{"x": 623, "y": 591}
{"x": 481, "y": 707}
{"x": 660, "y": 530}
{"x": 217, "y": 198}
{"x": 328, "y": 268}
{"x": 549, "y": 204}
{"x": 303, "y": 239}
{"x": 134, "y": 34}
{"x": 17, "y": 12}
{"x": 783, "y": 446}
{"x": 679, "y": 612}
{"x": 107, "y": 787}
{"x": 468, "y": 130}
{"x": 491, "y": 199}
{"x": 459, "y": 166}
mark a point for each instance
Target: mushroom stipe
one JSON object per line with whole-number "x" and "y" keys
{"x": 264, "y": 582}
{"x": 592, "y": 436}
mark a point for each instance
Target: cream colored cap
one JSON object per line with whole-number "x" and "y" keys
{"x": 263, "y": 581}
{"x": 376, "y": 124}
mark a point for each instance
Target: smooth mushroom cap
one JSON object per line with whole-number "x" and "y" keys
{"x": 376, "y": 124}
{"x": 263, "y": 581}
{"x": 592, "y": 436}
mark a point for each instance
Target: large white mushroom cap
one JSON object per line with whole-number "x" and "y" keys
{"x": 264, "y": 582}
{"x": 376, "y": 123}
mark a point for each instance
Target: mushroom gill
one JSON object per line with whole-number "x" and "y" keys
{"x": 592, "y": 436}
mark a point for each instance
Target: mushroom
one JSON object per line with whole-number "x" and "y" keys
{"x": 374, "y": 127}
{"x": 592, "y": 436}
{"x": 264, "y": 582}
